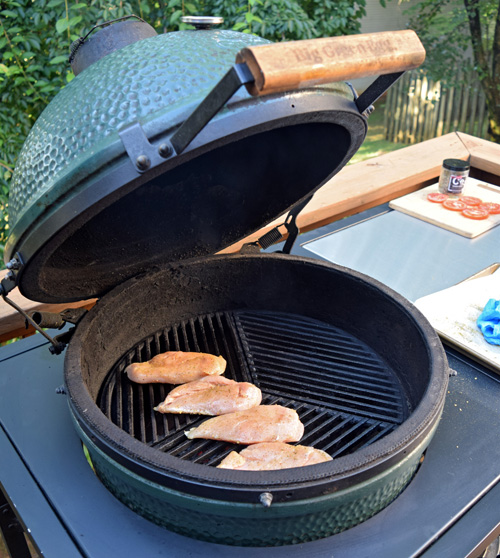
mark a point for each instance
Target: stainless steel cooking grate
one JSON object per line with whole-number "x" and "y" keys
{"x": 345, "y": 394}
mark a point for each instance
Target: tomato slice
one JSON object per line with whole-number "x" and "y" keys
{"x": 492, "y": 208}
{"x": 475, "y": 213}
{"x": 454, "y": 204}
{"x": 471, "y": 201}
{"x": 437, "y": 197}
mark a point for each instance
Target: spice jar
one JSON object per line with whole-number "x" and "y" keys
{"x": 453, "y": 176}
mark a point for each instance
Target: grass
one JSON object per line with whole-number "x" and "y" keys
{"x": 375, "y": 143}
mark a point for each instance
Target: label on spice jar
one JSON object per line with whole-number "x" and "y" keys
{"x": 456, "y": 183}
{"x": 452, "y": 182}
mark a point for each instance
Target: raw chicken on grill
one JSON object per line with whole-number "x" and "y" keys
{"x": 176, "y": 367}
{"x": 212, "y": 395}
{"x": 265, "y": 423}
{"x": 273, "y": 455}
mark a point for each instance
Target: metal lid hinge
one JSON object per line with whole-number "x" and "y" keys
{"x": 9, "y": 282}
{"x": 143, "y": 154}
{"x": 276, "y": 235}
{"x": 39, "y": 320}
{"x": 56, "y": 346}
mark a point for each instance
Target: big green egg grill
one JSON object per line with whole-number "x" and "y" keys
{"x": 164, "y": 150}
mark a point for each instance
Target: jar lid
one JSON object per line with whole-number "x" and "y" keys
{"x": 456, "y": 165}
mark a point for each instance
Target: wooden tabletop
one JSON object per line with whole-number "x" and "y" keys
{"x": 355, "y": 188}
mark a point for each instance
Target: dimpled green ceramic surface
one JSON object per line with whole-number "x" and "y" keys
{"x": 244, "y": 524}
{"x": 154, "y": 81}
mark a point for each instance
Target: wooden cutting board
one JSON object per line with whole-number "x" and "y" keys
{"x": 417, "y": 205}
{"x": 453, "y": 313}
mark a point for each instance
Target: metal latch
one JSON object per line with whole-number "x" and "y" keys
{"x": 39, "y": 320}
{"x": 58, "y": 321}
{"x": 9, "y": 282}
{"x": 275, "y": 235}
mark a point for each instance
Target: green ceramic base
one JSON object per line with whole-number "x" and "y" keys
{"x": 244, "y": 524}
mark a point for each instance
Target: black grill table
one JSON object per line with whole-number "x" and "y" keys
{"x": 450, "y": 509}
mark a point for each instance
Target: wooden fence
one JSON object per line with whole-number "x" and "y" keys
{"x": 418, "y": 108}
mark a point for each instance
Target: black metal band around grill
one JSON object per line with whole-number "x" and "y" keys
{"x": 345, "y": 394}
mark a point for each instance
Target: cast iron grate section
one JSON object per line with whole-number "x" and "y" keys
{"x": 265, "y": 349}
{"x": 319, "y": 364}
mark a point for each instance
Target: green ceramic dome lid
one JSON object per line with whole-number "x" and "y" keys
{"x": 78, "y": 131}
{"x": 83, "y": 218}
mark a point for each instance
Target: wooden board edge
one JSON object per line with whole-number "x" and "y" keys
{"x": 484, "y": 154}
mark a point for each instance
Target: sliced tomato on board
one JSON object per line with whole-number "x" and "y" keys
{"x": 454, "y": 204}
{"x": 475, "y": 213}
{"x": 437, "y": 197}
{"x": 491, "y": 207}
{"x": 471, "y": 200}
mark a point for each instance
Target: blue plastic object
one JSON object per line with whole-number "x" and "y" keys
{"x": 489, "y": 322}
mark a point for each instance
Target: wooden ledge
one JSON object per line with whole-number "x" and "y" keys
{"x": 354, "y": 189}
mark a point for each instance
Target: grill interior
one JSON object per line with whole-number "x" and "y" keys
{"x": 345, "y": 394}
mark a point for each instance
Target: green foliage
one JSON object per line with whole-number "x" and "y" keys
{"x": 35, "y": 40}
{"x": 463, "y": 35}
{"x": 335, "y": 17}
{"x": 280, "y": 20}
{"x": 444, "y": 30}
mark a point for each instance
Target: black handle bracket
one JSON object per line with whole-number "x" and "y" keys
{"x": 365, "y": 101}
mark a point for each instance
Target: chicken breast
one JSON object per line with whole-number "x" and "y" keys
{"x": 265, "y": 423}
{"x": 212, "y": 395}
{"x": 176, "y": 367}
{"x": 270, "y": 456}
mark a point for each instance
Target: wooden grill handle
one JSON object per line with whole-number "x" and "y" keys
{"x": 293, "y": 65}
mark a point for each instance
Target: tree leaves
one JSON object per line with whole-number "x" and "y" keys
{"x": 443, "y": 28}
{"x": 59, "y": 59}
{"x": 450, "y": 30}
{"x": 62, "y": 25}
{"x": 8, "y": 13}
